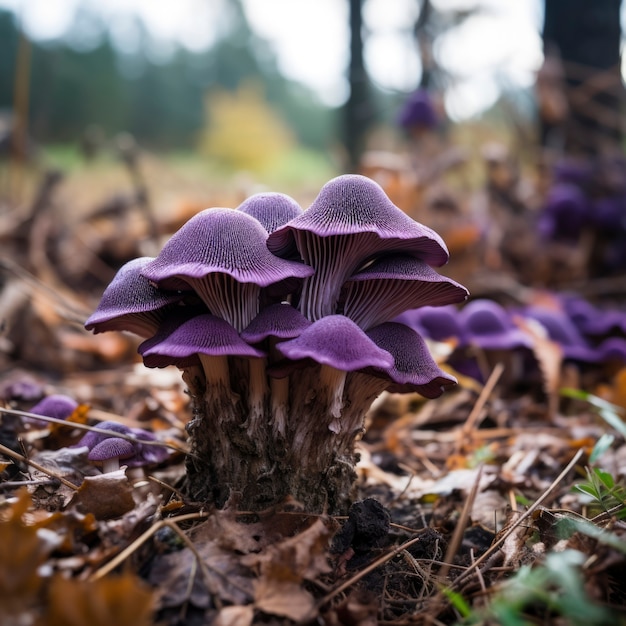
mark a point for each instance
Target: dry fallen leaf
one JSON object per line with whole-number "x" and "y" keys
{"x": 235, "y": 616}
{"x": 121, "y": 601}
{"x": 106, "y": 496}
{"x": 23, "y": 548}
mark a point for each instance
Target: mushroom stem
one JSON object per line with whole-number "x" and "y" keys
{"x": 279, "y": 394}
{"x": 194, "y": 378}
{"x": 257, "y": 391}
{"x": 216, "y": 372}
{"x": 110, "y": 465}
{"x": 332, "y": 381}
{"x": 279, "y": 391}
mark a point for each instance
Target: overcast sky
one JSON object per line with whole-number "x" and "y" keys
{"x": 310, "y": 37}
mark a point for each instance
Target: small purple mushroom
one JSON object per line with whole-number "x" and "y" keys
{"x": 349, "y": 223}
{"x": 57, "y": 406}
{"x": 340, "y": 346}
{"x": 560, "y": 329}
{"x": 142, "y": 453}
{"x": 394, "y": 284}
{"x": 437, "y": 323}
{"x": 92, "y": 438}
{"x": 271, "y": 209}
{"x": 131, "y": 303}
{"x": 565, "y": 213}
{"x": 592, "y": 320}
{"x": 488, "y": 326}
{"x": 221, "y": 254}
{"x": 418, "y": 111}
{"x": 110, "y": 451}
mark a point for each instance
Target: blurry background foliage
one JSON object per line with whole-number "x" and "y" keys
{"x": 243, "y": 131}
{"x": 173, "y": 102}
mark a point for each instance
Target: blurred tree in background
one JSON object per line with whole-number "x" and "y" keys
{"x": 582, "y": 45}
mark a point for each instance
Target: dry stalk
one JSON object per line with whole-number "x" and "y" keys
{"x": 37, "y": 466}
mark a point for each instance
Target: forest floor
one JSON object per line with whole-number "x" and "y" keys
{"x": 501, "y": 502}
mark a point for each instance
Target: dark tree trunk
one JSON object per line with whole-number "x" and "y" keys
{"x": 358, "y": 107}
{"x": 581, "y": 41}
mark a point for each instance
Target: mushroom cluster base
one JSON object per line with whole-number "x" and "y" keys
{"x": 255, "y": 466}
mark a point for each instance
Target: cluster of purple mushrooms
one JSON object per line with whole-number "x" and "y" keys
{"x": 109, "y": 446}
{"x": 586, "y": 334}
{"x": 585, "y": 198}
{"x": 281, "y": 321}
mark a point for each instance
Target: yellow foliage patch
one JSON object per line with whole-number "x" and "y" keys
{"x": 243, "y": 131}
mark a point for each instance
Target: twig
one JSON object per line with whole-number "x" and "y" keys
{"x": 41, "y": 468}
{"x": 135, "y": 545}
{"x": 172, "y": 524}
{"x": 496, "y": 545}
{"x": 95, "y": 429}
{"x": 472, "y": 419}
{"x": 457, "y": 537}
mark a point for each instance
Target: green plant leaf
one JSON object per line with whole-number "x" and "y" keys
{"x": 602, "y": 445}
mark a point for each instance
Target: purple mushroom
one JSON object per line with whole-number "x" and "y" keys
{"x": 92, "y": 437}
{"x": 561, "y": 329}
{"x": 590, "y": 319}
{"x": 488, "y": 325}
{"x": 349, "y": 223}
{"x": 109, "y": 452}
{"x": 271, "y": 209}
{"x": 418, "y": 111}
{"x": 413, "y": 369}
{"x": 58, "y": 406}
{"x": 221, "y": 254}
{"x": 340, "y": 346}
{"x": 141, "y": 453}
{"x": 394, "y": 284}
{"x": 131, "y": 303}
{"x": 212, "y": 340}
{"x": 564, "y": 214}
{"x": 437, "y": 323}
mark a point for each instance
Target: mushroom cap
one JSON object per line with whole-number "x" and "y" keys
{"x": 92, "y": 438}
{"x": 489, "y": 326}
{"x": 413, "y": 369}
{"x": 564, "y": 213}
{"x": 394, "y": 284}
{"x": 130, "y": 302}
{"x": 221, "y": 241}
{"x": 356, "y": 206}
{"x": 338, "y": 342}
{"x": 111, "y": 448}
{"x": 612, "y": 349}
{"x": 57, "y": 405}
{"x": 271, "y": 209}
{"x": 418, "y": 110}
{"x": 437, "y": 323}
{"x": 203, "y": 334}
{"x": 562, "y": 330}
{"x": 146, "y": 454}
{"x": 170, "y": 322}
{"x": 592, "y": 320}
{"x": 279, "y": 320}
